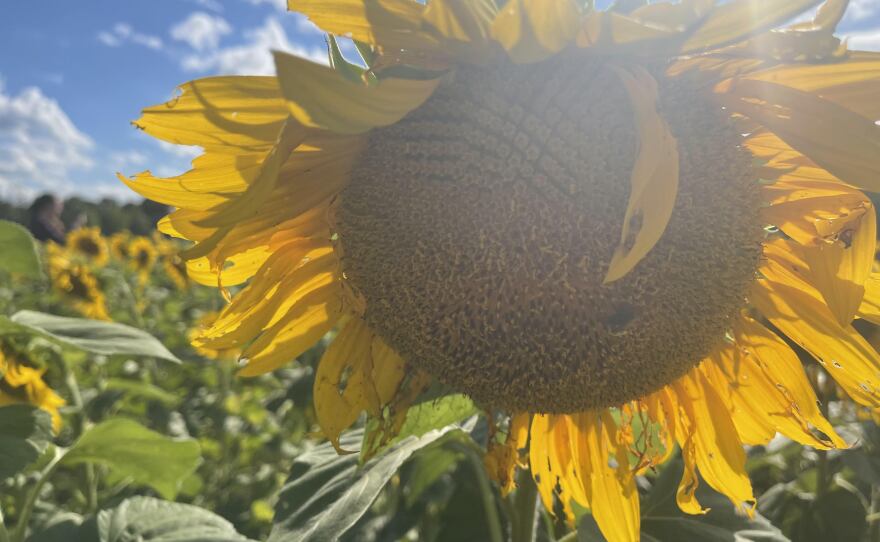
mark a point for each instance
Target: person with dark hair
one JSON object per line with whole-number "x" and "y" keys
{"x": 44, "y": 219}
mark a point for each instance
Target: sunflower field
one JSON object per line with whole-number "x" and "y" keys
{"x": 498, "y": 270}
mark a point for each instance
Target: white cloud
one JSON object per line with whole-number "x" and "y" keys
{"x": 202, "y": 31}
{"x": 868, "y": 40}
{"x": 213, "y": 5}
{"x": 123, "y": 33}
{"x": 254, "y": 56}
{"x": 860, "y": 10}
{"x": 39, "y": 145}
{"x": 280, "y": 5}
{"x": 126, "y": 160}
{"x": 181, "y": 151}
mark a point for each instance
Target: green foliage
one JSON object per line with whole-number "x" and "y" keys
{"x": 18, "y": 249}
{"x": 327, "y": 493}
{"x": 241, "y": 460}
{"x": 132, "y": 451}
{"x": 105, "y": 338}
{"x": 25, "y": 433}
{"x": 143, "y": 519}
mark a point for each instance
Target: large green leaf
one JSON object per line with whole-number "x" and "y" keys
{"x": 144, "y": 519}
{"x": 19, "y": 250}
{"x": 663, "y": 521}
{"x": 327, "y": 493}
{"x": 132, "y": 451}
{"x": 107, "y": 338}
{"x": 420, "y": 419}
{"x": 25, "y": 433}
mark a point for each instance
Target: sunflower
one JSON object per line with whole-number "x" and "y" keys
{"x": 22, "y": 384}
{"x": 142, "y": 257}
{"x": 588, "y": 220}
{"x": 77, "y": 284}
{"x": 119, "y": 245}
{"x": 88, "y": 242}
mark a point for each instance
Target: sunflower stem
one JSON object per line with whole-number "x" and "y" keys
{"x": 488, "y": 496}
{"x": 525, "y": 505}
{"x": 18, "y": 534}
{"x": 80, "y": 424}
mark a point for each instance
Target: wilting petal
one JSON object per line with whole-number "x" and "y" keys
{"x": 654, "y": 181}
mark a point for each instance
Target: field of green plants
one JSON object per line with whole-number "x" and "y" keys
{"x": 113, "y": 428}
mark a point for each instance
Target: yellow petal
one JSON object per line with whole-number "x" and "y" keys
{"x": 343, "y": 380}
{"x": 318, "y": 96}
{"x": 851, "y": 82}
{"x": 654, "y": 180}
{"x": 614, "y": 500}
{"x": 738, "y": 19}
{"x": 299, "y": 330}
{"x": 613, "y": 32}
{"x": 718, "y": 452}
{"x": 781, "y": 366}
{"x": 532, "y": 30}
{"x": 456, "y": 21}
{"x": 389, "y": 371}
{"x": 393, "y": 24}
{"x": 266, "y": 300}
{"x": 841, "y": 262}
{"x": 797, "y": 309}
{"x": 836, "y": 138}
{"x": 226, "y": 114}
{"x": 539, "y": 458}
{"x": 870, "y": 307}
{"x": 260, "y": 189}
{"x": 213, "y": 179}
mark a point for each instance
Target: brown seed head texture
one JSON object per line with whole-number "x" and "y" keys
{"x": 480, "y": 227}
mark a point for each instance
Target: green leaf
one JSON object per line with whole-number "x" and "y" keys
{"x": 142, "y": 389}
{"x": 25, "y": 433}
{"x": 425, "y": 417}
{"x": 145, "y": 519}
{"x": 326, "y": 493}
{"x": 132, "y": 451}
{"x": 107, "y": 338}
{"x": 19, "y": 250}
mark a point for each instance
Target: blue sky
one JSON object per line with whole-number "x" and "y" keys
{"x": 73, "y": 74}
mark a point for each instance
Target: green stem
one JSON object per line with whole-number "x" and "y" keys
{"x": 874, "y": 516}
{"x": 4, "y": 534}
{"x": 27, "y": 509}
{"x": 525, "y": 503}
{"x": 488, "y": 496}
{"x": 80, "y": 424}
{"x": 570, "y": 537}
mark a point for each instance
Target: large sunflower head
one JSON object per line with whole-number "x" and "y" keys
{"x": 88, "y": 242}
{"x": 577, "y": 217}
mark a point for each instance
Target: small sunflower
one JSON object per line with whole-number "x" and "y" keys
{"x": 142, "y": 257}
{"x": 88, "y": 242}
{"x": 22, "y": 384}
{"x": 119, "y": 245}
{"x": 588, "y": 220}
{"x": 78, "y": 285}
